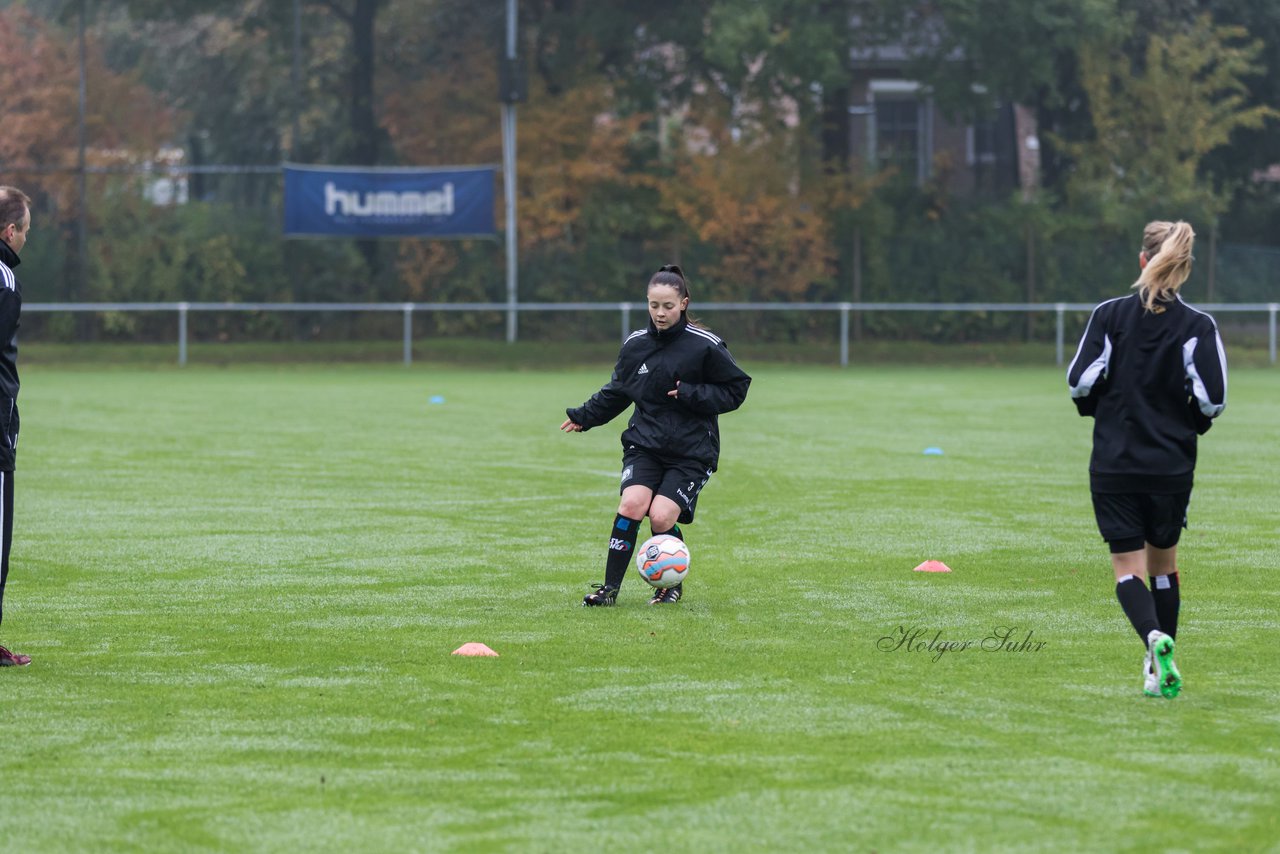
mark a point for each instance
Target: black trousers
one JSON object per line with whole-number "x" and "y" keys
{"x": 6, "y": 512}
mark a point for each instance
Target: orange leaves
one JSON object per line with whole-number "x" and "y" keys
{"x": 770, "y": 238}
{"x": 424, "y": 267}
{"x": 569, "y": 146}
{"x": 40, "y": 103}
{"x": 448, "y": 117}
{"x": 764, "y": 233}
{"x": 38, "y": 100}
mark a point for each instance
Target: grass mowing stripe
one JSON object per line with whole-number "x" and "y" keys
{"x": 241, "y": 589}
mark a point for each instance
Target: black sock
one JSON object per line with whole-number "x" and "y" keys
{"x": 1164, "y": 590}
{"x": 674, "y": 531}
{"x": 622, "y": 542}
{"x": 1138, "y": 604}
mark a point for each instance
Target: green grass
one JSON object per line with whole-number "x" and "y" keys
{"x": 241, "y": 588}
{"x": 543, "y": 355}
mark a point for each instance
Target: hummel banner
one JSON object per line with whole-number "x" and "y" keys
{"x": 337, "y": 201}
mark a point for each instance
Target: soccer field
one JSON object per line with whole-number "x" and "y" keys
{"x": 241, "y": 589}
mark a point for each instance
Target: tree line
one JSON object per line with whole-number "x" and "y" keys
{"x": 710, "y": 132}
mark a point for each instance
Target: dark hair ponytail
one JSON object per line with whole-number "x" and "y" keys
{"x": 673, "y": 277}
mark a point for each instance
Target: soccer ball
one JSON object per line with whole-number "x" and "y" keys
{"x": 663, "y": 561}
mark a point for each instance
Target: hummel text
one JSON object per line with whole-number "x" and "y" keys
{"x": 410, "y": 203}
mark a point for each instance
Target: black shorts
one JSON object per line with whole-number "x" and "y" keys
{"x": 1128, "y": 521}
{"x": 681, "y": 480}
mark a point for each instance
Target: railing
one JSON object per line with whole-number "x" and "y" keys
{"x": 625, "y": 310}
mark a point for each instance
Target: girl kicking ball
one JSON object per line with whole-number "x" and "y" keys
{"x": 1152, "y": 372}
{"x": 680, "y": 378}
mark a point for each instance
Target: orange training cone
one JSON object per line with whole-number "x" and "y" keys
{"x": 474, "y": 649}
{"x": 932, "y": 566}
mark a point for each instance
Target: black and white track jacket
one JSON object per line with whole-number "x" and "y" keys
{"x": 10, "y": 313}
{"x": 1153, "y": 382}
{"x": 649, "y": 365}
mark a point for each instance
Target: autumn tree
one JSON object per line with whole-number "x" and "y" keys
{"x": 761, "y": 236}
{"x": 40, "y": 107}
{"x": 125, "y": 123}
{"x": 1155, "y": 121}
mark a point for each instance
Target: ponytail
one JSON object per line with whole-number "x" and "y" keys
{"x": 1167, "y": 246}
{"x": 673, "y": 277}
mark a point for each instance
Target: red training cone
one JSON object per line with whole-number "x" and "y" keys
{"x": 932, "y": 566}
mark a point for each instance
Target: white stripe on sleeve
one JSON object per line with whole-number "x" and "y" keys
{"x": 1096, "y": 370}
{"x": 1198, "y": 389}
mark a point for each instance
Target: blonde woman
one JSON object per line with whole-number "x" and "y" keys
{"x": 1152, "y": 372}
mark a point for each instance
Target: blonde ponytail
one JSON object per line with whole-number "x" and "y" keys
{"x": 1167, "y": 246}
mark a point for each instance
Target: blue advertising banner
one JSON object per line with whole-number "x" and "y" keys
{"x": 371, "y": 201}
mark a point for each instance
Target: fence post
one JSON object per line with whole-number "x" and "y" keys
{"x": 626, "y": 319}
{"x": 844, "y": 334}
{"x": 1271, "y": 330}
{"x": 408, "y": 333}
{"x": 1061, "y": 310}
{"x": 182, "y": 333}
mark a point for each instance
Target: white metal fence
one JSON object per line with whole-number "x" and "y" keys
{"x": 625, "y": 311}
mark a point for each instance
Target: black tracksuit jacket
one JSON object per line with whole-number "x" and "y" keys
{"x": 649, "y": 365}
{"x": 10, "y": 313}
{"x": 1153, "y": 382}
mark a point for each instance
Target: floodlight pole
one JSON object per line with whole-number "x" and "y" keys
{"x": 509, "y": 170}
{"x": 82, "y": 220}
{"x": 295, "y": 79}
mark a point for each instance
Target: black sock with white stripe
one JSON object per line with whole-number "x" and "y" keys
{"x": 1164, "y": 590}
{"x": 1138, "y": 604}
{"x": 622, "y": 543}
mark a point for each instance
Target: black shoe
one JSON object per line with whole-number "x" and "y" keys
{"x": 667, "y": 596}
{"x": 604, "y": 595}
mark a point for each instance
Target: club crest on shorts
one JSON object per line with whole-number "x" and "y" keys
{"x": 626, "y": 474}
